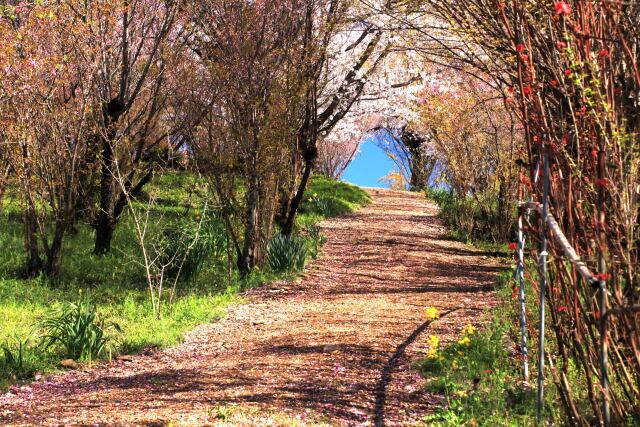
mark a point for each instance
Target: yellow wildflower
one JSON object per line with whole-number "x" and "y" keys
{"x": 431, "y": 313}
{"x": 464, "y": 341}
{"x": 469, "y": 329}
{"x": 434, "y": 343}
{"x": 461, "y": 393}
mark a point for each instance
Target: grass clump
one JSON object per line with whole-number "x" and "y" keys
{"x": 286, "y": 253}
{"x": 79, "y": 331}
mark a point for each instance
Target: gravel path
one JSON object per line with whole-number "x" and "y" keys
{"x": 334, "y": 347}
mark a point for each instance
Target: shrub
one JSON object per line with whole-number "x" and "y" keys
{"x": 14, "y": 360}
{"x": 479, "y": 217}
{"x": 286, "y": 253}
{"x": 182, "y": 241}
{"x": 78, "y": 330}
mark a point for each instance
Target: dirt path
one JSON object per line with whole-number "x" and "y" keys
{"x": 333, "y": 348}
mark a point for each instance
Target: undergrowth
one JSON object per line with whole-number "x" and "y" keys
{"x": 115, "y": 283}
{"x": 479, "y": 375}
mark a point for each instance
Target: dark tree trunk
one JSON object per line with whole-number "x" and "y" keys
{"x": 105, "y": 221}
{"x": 54, "y": 252}
{"x": 104, "y": 224}
{"x": 287, "y": 227}
{"x": 4, "y": 181}
{"x": 33, "y": 265}
{"x": 419, "y": 180}
{"x": 420, "y": 169}
{"x": 288, "y": 191}
{"x": 247, "y": 258}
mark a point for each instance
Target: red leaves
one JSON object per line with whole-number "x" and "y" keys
{"x": 601, "y": 182}
{"x": 563, "y": 309}
{"x": 513, "y": 246}
{"x": 562, "y": 8}
{"x": 602, "y": 276}
{"x": 520, "y": 48}
{"x": 526, "y": 90}
{"x": 567, "y": 72}
{"x": 554, "y": 83}
{"x": 561, "y": 45}
{"x": 603, "y": 53}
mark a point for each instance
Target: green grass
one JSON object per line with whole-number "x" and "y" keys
{"x": 325, "y": 198}
{"x": 481, "y": 377}
{"x": 116, "y": 282}
{"x": 468, "y": 221}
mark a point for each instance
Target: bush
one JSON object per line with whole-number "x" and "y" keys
{"x": 286, "y": 253}
{"x": 316, "y": 240}
{"x": 14, "y": 361}
{"x": 478, "y": 218}
{"x": 78, "y": 330}
{"x": 181, "y": 241}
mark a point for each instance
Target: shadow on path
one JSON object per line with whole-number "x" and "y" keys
{"x": 392, "y": 363}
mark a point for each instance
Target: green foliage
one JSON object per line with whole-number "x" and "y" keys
{"x": 481, "y": 377}
{"x": 480, "y": 381}
{"x": 14, "y": 359}
{"x": 116, "y": 284}
{"x": 286, "y": 253}
{"x": 477, "y": 219}
{"x": 77, "y": 329}
{"x": 317, "y": 239}
{"x": 185, "y": 245}
{"x": 327, "y": 198}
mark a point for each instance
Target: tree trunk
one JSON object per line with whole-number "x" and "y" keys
{"x": 54, "y": 252}
{"x": 247, "y": 259}
{"x": 4, "y": 181}
{"x": 33, "y": 265}
{"x": 105, "y": 222}
{"x": 287, "y": 228}
{"x": 288, "y": 191}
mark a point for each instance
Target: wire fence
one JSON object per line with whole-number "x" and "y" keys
{"x": 550, "y": 230}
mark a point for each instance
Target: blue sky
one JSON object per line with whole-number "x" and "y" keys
{"x": 369, "y": 166}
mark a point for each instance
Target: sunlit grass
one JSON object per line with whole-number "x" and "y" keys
{"x": 116, "y": 282}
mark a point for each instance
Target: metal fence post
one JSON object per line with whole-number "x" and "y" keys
{"x": 543, "y": 281}
{"x": 602, "y": 282}
{"x": 523, "y": 313}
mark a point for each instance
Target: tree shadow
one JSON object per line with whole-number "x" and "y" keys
{"x": 387, "y": 370}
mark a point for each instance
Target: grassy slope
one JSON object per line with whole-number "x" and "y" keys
{"x": 116, "y": 282}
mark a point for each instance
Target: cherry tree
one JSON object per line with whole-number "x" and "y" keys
{"x": 349, "y": 45}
